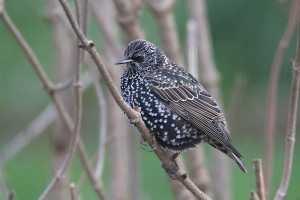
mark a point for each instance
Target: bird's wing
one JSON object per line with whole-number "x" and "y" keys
{"x": 187, "y": 97}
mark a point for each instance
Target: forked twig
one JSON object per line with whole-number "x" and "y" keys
{"x": 291, "y": 126}
{"x": 272, "y": 94}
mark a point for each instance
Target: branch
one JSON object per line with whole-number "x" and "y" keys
{"x": 291, "y": 126}
{"x": 128, "y": 19}
{"x": 260, "y": 186}
{"x": 272, "y": 94}
{"x": 72, "y": 192}
{"x": 133, "y": 114}
{"x": 162, "y": 11}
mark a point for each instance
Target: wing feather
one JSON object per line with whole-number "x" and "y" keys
{"x": 185, "y": 95}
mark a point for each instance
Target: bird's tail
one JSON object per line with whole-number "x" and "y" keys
{"x": 238, "y": 161}
{"x": 230, "y": 152}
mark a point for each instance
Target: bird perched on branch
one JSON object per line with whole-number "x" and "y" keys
{"x": 173, "y": 104}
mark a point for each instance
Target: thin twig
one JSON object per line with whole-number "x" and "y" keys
{"x": 260, "y": 186}
{"x": 291, "y": 126}
{"x": 72, "y": 193}
{"x": 97, "y": 184}
{"x": 253, "y": 195}
{"x": 133, "y": 114}
{"x": 128, "y": 19}
{"x": 272, "y": 94}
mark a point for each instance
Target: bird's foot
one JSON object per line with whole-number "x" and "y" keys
{"x": 171, "y": 172}
{"x": 143, "y": 140}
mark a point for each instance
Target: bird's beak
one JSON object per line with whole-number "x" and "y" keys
{"x": 124, "y": 61}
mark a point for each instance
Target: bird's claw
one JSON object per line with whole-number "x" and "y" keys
{"x": 170, "y": 172}
{"x": 144, "y": 144}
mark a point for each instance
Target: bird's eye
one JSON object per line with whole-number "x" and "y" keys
{"x": 138, "y": 58}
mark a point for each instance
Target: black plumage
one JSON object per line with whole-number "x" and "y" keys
{"x": 173, "y": 104}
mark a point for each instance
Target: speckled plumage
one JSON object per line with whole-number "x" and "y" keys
{"x": 173, "y": 104}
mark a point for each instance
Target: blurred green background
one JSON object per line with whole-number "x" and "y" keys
{"x": 245, "y": 37}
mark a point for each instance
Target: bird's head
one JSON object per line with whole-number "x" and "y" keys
{"x": 142, "y": 56}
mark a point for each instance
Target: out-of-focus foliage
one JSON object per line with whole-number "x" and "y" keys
{"x": 245, "y": 37}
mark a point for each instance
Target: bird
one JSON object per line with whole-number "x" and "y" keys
{"x": 174, "y": 106}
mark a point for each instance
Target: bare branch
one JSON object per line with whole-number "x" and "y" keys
{"x": 133, "y": 114}
{"x": 272, "y": 94}
{"x": 162, "y": 11}
{"x": 128, "y": 19}
{"x": 72, "y": 188}
{"x": 260, "y": 186}
{"x": 291, "y": 126}
{"x": 253, "y": 195}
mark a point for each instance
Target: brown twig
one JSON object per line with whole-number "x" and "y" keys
{"x": 162, "y": 11}
{"x": 128, "y": 19}
{"x": 253, "y": 195}
{"x": 291, "y": 126}
{"x": 272, "y": 94}
{"x": 133, "y": 114}
{"x": 97, "y": 184}
{"x": 260, "y": 186}
{"x": 72, "y": 192}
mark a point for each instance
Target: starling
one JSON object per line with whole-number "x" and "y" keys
{"x": 173, "y": 104}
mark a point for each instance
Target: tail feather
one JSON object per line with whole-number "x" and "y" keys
{"x": 238, "y": 161}
{"x": 229, "y": 151}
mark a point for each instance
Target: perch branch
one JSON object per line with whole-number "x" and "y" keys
{"x": 260, "y": 186}
{"x": 272, "y": 94}
{"x": 291, "y": 126}
{"x": 133, "y": 114}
